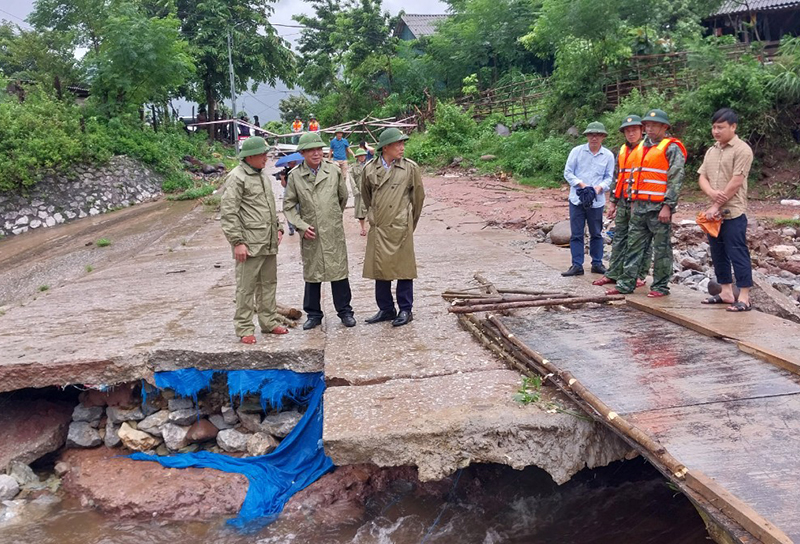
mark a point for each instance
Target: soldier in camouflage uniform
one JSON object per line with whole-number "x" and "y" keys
{"x": 654, "y": 199}
{"x": 619, "y": 207}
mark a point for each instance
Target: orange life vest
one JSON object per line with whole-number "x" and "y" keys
{"x": 297, "y": 126}
{"x": 650, "y": 180}
{"x": 626, "y": 160}
{"x": 313, "y": 126}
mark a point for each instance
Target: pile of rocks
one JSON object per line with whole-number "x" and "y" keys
{"x": 84, "y": 191}
{"x": 163, "y": 423}
{"x": 775, "y": 253}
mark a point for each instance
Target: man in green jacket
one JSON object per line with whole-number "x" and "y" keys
{"x": 392, "y": 191}
{"x": 355, "y": 185}
{"x": 251, "y": 225}
{"x": 320, "y": 189}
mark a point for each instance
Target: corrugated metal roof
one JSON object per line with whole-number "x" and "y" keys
{"x": 740, "y": 6}
{"x": 422, "y": 25}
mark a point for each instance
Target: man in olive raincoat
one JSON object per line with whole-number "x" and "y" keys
{"x": 355, "y": 185}
{"x": 391, "y": 189}
{"x": 251, "y": 225}
{"x": 321, "y": 191}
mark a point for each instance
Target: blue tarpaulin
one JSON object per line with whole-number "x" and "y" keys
{"x": 296, "y": 463}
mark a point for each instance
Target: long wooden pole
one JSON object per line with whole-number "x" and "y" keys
{"x": 471, "y": 300}
{"x": 532, "y": 304}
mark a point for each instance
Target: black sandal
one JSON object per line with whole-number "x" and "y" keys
{"x": 739, "y": 306}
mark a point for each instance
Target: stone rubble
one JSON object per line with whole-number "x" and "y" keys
{"x": 775, "y": 253}
{"x": 166, "y": 424}
{"x": 9, "y": 488}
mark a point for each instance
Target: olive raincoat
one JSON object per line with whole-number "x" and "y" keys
{"x": 247, "y": 211}
{"x": 360, "y": 211}
{"x": 322, "y": 198}
{"x": 394, "y": 199}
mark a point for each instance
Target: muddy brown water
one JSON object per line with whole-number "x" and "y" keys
{"x": 627, "y": 502}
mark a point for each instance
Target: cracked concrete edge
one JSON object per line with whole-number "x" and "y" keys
{"x": 130, "y": 368}
{"x": 560, "y": 444}
{"x": 298, "y": 360}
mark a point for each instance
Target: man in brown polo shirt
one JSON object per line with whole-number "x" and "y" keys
{"x": 723, "y": 178}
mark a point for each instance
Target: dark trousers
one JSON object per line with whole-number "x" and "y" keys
{"x": 405, "y": 295}
{"x": 341, "y": 298}
{"x": 593, "y": 217}
{"x": 730, "y": 249}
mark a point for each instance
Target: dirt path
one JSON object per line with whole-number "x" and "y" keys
{"x": 511, "y": 205}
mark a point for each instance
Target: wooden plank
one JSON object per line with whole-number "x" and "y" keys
{"x": 750, "y": 447}
{"x": 655, "y": 364}
{"x": 682, "y": 320}
{"x": 731, "y": 506}
{"x": 768, "y": 355}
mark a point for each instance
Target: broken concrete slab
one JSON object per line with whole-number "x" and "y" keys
{"x": 31, "y": 429}
{"x": 444, "y": 423}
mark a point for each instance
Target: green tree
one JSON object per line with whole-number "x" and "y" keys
{"x": 45, "y": 57}
{"x": 259, "y": 54}
{"x": 83, "y": 20}
{"x": 141, "y": 60}
{"x": 295, "y": 105}
{"x": 482, "y": 37}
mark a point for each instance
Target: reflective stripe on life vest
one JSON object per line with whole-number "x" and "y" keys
{"x": 626, "y": 162}
{"x": 651, "y": 179}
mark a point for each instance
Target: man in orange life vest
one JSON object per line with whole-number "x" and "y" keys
{"x": 619, "y": 207}
{"x": 313, "y": 124}
{"x": 297, "y": 128}
{"x": 654, "y": 196}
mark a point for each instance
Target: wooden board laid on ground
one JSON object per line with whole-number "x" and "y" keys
{"x": 729, "y": 415}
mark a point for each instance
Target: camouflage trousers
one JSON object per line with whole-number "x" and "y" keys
{"x": 645, "y": 229}
{"x": 619, "y": 248}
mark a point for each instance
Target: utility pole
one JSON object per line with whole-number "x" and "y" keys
{"x": 233, "y": 95}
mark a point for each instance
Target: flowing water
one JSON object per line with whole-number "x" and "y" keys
{"x": 625, "y": 503}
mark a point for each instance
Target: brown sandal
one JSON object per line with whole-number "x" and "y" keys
{"x": 603, "y": 281}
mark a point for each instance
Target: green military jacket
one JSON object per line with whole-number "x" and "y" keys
{"x": 322, "y": 199}
{"x": 394, "y": 199}
{"x": 355, "y": 177}
{"x": 248, "y": 213}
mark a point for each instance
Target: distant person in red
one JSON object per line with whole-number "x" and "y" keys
{"x": 313, "y": 124}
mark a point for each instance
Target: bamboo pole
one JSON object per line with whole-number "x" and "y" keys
{"x": 532, "y": 304}
{"x": 473, "y": 300}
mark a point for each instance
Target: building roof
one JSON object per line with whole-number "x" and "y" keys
{"x": 420, "y": 24}
{"x": 730, "y": 7}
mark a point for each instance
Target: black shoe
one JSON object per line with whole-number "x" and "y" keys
{"x": 598, "y": 269}
{"x": 382, "y": 315}
{"x": 574, "y": 270}
{"x": 403, "y": 318}
{"x": 311, "y": 323}
{"x": 349, "y": 321}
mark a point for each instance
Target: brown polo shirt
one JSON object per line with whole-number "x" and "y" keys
{"x": 720, "y": 164}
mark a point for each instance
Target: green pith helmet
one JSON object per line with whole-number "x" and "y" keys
{"x": 390, "y": 136}
{"x": 658, "y": 116}
{"x": 310, "y": 140}
{"x": 255, "y": 145}
{"x": 359, "y": 152}
{"x": 630, "y": 121}
{"x": 596, "y": 127}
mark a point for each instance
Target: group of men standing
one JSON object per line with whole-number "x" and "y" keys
{"x": 316, "y": 194}
{"x": 643, "y": 198}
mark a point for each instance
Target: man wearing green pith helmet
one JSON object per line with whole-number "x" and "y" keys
{"x": 392, "y": 191}
{"x": 319, "y": 188}
{"x": 251, "y": 225}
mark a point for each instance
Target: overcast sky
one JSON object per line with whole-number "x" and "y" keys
{"x": 263, "y": 102}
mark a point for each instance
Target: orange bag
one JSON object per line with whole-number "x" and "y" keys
{"x": 709, "y": 226}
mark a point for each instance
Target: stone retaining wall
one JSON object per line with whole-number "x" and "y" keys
{"x": 85, "y": 191}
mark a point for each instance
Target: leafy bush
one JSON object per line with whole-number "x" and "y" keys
{"x": 44, "y": 135}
